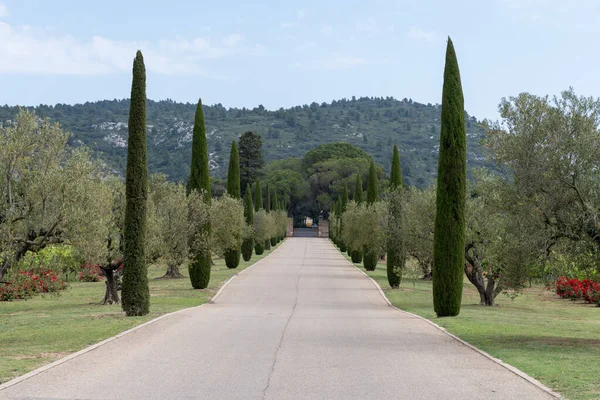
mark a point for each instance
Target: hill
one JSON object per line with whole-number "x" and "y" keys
{"x": 374, "y": 124}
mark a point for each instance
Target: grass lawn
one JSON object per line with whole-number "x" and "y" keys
{"x": 553, "y": 340}
{"x": 41, "y": 330}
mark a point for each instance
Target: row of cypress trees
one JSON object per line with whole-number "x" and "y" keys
{"x": 449, "y": 232}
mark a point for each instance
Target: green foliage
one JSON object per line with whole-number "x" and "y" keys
{"x": 358, "y": 190}
{"x": 372, "y": 185}
{"x": 248, "y": 243}
{"x": 396, "y": 172}
{"x": 250, "y": 158}
{"x": 264, "y": 226}
{"x": 258, "y": 197}
{"x": 228, "y": 227}
{"x": 371, "y": 123}
{"x": 233, "y": 173}
{"x": 365, "y": 228}
{"x": 199, "y": 172}
{"x": 395, "y": 248}
{"x": 449, "y": 233}
{"x": 135, "y": 292}
{"x": 330, "y": 151}
{"x": 344, "y": 197}
{"x": 268, "y": 199}
{"x": 199, "y": 267}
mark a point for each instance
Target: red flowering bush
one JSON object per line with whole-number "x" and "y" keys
{"x": 90, "y": 273}
{"x": 26, "y": 284}
{"x": 575, "y": 289}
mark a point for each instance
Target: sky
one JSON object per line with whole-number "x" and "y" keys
{"x": 287, "y": 53}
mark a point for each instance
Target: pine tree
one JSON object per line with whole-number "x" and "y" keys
{"x": 395, "y": 250}
{"x": 449, "y": 232}
{"x": 370, "y": 255}
{"x": 199, "y": 267}
{"x": 358, "y": 190}
{"x": 248, "y": 243}
{"x": 344, "y": 197}
{"x": 259, "y": 247}
{"x": 135, "y": 291}
{"x": 251, "y": 159}
{"x": 232, "y": 256}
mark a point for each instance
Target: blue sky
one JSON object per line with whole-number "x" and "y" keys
{"x": 281, "y": 54}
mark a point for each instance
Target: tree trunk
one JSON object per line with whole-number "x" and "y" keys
{"x": 111, "y": 295}
{"x": 172, "y": 272}
{"x": 486, "y": 294}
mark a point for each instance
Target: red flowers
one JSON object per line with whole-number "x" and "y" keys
{"x": 575, "y": 289}
{"x": 26, "y": 284}
{"x": 90, "y": 273}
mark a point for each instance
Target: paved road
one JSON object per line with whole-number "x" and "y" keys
{"x": 303, "y": 324}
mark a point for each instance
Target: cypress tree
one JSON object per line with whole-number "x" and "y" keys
{"x": 233, "y": 173}
{"x": 357, "y": 254}
{"x": 259, "y": 247}
{"x": 370, "y": 255}
{"x": 344, "y": 197}
{"x": 395, "y": 250}
{"x": 358, "y": 190}
{"x": 135, "y": 291}
{"x": 232, "y": 256}
{"x": 248, "y": 243}
{"x": 258, "y": 200}
{"x": 199, "y": 267}
{"x": 275, "y": 239}
{"x": 449, "y": 232}
{"x": 372, "y": 185}
{"x": 343, "y": 204}
{"x": 268, "y": 209}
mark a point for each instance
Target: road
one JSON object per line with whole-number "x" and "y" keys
{"x": 302, "y": 324}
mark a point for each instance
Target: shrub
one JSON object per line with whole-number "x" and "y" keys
{"x": 575, "y": 289}
{"x": 90, "y": 273}
{"x": 26, "y": 284}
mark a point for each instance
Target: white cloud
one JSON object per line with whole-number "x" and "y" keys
{"x": 419, "y": 34}
{"x": 300, "y": 14}
{"x": 33, "y": 50}
{"x": 3, "y": 10}
{"x": 233, "y": 40}
{"x": 327, "y": 30}
{"x": 288, "y": 25}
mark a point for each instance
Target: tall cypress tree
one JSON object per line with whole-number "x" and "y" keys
{"x": 449, "y": 232}
{"x": 343, "y": 204}
{"x": 258, "y": 199}
{"x": 268, "y": 209}
{"x": 259, "y": 247}
{"x": 357, "y": 254}
{"x": 135, "y": 291}
{"x": 248, "y": 243}
{"x": 275, "y": 239}
{"x": 251, "y": 159}
{"x": 370, "y": 255}
{"x": 232, "y": 256}
{"x": 345, "y": 198}
{"x": 199, "y": 267}
{"x": 372, "y": 185}
{"x": 358, "y": 190}
{"x": 395, "y": 248}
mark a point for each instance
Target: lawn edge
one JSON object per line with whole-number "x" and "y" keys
{"x": 81, "y": 352}
{"x": 509, "y": 367}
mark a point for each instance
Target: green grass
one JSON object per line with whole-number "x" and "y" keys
{"x": 43, "y": 329}
{"x": 553, "y": 340}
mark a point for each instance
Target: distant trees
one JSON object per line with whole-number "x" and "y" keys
{"x": 449, "y": 233}
{"x": 228, "y": 227}
{"x": 251, "y": 158}
{"x": 135, "y": 291}
{"x": 232, "y": 255}
{"x": 199, "y": 267}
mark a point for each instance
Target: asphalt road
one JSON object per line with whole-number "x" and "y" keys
{"x": 303, "y": 324}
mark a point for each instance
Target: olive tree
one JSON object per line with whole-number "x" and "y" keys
{"x": 263, "y": 226}
{"x": 228, "y": 224}
{"x": 365, "y": 226}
